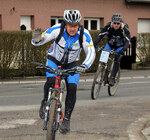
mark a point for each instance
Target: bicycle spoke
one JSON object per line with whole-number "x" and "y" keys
{"x": 112, "y": 89}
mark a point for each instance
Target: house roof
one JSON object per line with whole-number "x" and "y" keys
{"x": 138, "y": 1}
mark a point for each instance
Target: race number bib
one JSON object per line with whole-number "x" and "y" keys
{"x": 104, "y": 56}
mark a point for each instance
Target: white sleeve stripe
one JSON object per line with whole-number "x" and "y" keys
{"x": 89, "y": 61}
{"x": 103, "y": 33}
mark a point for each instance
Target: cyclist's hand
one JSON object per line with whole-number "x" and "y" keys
{"x": 81, "y": 68}
{"x": 37, "y": 35}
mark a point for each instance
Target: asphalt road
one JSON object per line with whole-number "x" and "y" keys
{"x": 104, "y": 118}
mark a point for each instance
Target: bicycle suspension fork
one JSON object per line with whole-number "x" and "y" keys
{"x": 47, "y": 109}
{"x": 104, "y": 76}
{"x": 59, "y": 116}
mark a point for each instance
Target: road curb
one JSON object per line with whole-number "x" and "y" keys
{"x": 136, "y": 129}
{"x": 81, "y": 80}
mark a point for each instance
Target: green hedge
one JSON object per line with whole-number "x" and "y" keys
{"x": 16, "y": 54}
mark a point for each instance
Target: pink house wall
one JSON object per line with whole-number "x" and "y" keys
{"x": 42, "y": 10}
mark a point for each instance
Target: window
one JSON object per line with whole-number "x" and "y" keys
{"x": 92, "y": 23}
{"x": 89, "y": 23}
{"x": 55, "y": 20}
{"x": 32, "y": 22}
{"x": 26, "y": 22}
{"x": 86, "y": 24}
{"x": 143, "y": 25}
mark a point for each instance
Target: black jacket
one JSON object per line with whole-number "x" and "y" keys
{"x": 116, "y": 38}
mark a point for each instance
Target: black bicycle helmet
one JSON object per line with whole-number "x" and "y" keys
{"x": 72, "y": 17}
{"x": 117, "y": 18}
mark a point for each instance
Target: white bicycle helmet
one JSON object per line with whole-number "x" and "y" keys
{"x": 117, "y": 18}
{"x": 72, "y": 17}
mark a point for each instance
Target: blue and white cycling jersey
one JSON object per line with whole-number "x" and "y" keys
{"x": 70, "y": 44}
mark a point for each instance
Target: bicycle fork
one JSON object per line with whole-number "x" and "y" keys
{"x": 47, "y": 109}
{"x": 59, "y": 114}
{"x": 104, "y": 73}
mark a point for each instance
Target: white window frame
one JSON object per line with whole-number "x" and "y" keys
{"x": 56, "y": 19}
{"x": 89, "y": 22}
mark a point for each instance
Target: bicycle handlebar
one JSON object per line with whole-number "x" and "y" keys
{"x": 111, "y": 51}
{"x": 59, "y": 71}
{"x": 100, "y": 48}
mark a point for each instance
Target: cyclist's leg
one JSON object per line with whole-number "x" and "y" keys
{"x": 71, "y": 81}
{"x": 49, "y": 83}
{"x": 50, "y": 78}
{"x": 116, "y": 66}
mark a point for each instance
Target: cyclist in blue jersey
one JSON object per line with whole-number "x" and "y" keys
{"x": 69, "y": 39}
{"x": 118, "y": 37}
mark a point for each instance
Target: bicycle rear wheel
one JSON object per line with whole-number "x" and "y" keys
{"x": 52, "y": 119}
{"x": 112, "y": 89}
{"x": 97, "y": 82}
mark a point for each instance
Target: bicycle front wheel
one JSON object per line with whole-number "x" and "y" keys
{"x": 97, "y": 82}
{"x": 112, "y": 89}
{"x": 52, "y": 119}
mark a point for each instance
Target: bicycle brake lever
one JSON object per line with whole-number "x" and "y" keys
{"x": 39, "y": 67}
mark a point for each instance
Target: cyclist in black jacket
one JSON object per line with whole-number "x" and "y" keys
{"x": 118, "y": 37}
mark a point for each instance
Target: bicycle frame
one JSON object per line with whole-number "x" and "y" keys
{"x": 108, "y": 67}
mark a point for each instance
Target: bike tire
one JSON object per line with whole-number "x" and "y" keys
{"x": 112, "y": 89}
{"x": 52, "y": 118}
{"x": 97, "y": 82}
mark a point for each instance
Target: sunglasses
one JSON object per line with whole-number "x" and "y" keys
{"x": 116, "y": 23}
{"x": 71, "y": 26}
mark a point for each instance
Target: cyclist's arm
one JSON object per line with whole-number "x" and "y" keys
{"x": 48, "y": 35}
{"x": 126, "y": 37}
{"x": 89, "y": 49}
{"x": 102, "y": 33}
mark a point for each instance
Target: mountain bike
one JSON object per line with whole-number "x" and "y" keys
{"x": 54, "y": 112}
{"x": 103, "y": 72}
